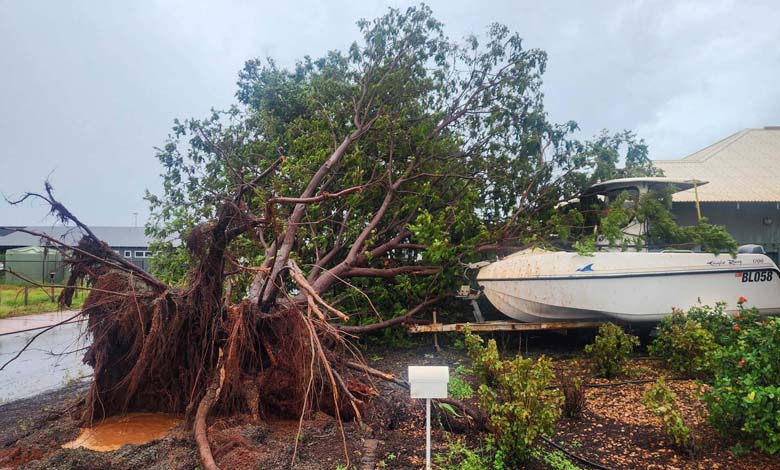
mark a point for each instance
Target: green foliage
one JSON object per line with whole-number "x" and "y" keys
{"x": 515, "y": 396}
{"x": 449, "y": 409}
{"x": 458, "y": 456}
{"x": 608, "y": 151}
{"x": 740, "y": 356}
{"x": 745, "y": 396}
{"x": 556, "y": 459}
{"x": 585, "y": 246}
{"x": 686, "y": 340}
{"x": 460, "y": 124}
{"x": 662, "y": 401}
{"x": 459, "y": 388}
{"x": 616, "y": 218}
{"x": 712, "y": 319}
{"x": 723, "y": 327}
{"x": 683, "y": 344}
{"x": 653, "y": 210}
{"x": 383, "y": 463}
{"x": 611, "y": 349}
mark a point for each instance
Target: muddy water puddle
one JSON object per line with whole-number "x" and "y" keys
{"x": 117, "y": 431}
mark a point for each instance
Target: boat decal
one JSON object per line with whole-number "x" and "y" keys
{"x": 586, "y": 269}
{"x": 741, "y": 272}
{"x": 730, "y": 261}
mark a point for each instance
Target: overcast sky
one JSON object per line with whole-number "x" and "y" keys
{"x": 88, "y": 88}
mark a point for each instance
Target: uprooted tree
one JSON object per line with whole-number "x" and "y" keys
{"x": 334, "y": 199}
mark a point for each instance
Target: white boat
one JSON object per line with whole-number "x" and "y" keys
{"x": 636, "y": 287}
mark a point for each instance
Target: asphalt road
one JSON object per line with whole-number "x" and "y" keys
{"x": 52, "y": 361}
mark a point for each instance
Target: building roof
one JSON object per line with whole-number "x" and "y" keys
{"x": 114, "y": 236}
{"x": 743, "y": 167}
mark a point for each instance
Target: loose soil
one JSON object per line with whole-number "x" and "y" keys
{"x": 615, "y": 429}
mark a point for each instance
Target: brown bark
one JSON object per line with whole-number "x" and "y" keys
{"x": 200, "y": 427}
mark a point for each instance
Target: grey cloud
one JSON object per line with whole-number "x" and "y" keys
{"x": 87, "y": 89}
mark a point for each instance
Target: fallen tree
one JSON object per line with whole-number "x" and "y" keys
{"x": 353, "y": 185}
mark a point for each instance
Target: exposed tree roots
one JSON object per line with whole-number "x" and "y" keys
{"x": 189, "y": 350}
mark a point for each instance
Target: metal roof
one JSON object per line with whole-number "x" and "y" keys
{"x": 743, "y": 167}
{"x": 114, "y": 236}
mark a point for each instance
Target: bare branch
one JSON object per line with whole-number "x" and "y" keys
{"x": 391, "y": 322}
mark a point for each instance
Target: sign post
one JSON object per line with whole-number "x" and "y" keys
{"x": 428, "y": 382}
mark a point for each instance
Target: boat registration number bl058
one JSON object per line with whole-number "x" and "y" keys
{"x": 757, "y": 276}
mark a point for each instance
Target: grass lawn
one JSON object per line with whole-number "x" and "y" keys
{"x": 38, "y": 300}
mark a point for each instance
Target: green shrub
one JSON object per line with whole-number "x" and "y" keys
{"x": 459, "y": 388}
{"x": 685, "y": 339}
{"x": 744, "y": 401}
{"x": 555, "y": 459}
{"x": 515, "y": 396}
{"x": 720, "y": 324}
{"x": 683, "y": 344}
{"x": 611, "y": 349}
{"x": 662, "y": 401}
{"x": 460, "y": 457}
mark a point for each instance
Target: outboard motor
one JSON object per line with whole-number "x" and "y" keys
{"x": 751, "y": 249}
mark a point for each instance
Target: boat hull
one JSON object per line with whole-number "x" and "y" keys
{"x": 629, "y": 287}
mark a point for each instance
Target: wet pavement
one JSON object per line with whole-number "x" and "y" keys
{"x": 28, "y": 322}
{"x": 52, "y": 361}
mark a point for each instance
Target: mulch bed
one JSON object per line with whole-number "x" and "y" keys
{"x": 615, "y": 430}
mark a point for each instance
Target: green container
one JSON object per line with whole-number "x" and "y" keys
{"x": 39, "y": 264}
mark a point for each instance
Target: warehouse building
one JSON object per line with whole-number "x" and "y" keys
{"x": 32, "y": 255}
{"x": 743, "y": 190}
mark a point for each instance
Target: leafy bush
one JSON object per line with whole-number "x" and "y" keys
{"x": 556, "y": 459}
{"x": 662, "y": 401}
{"x": 460, "y": 457}
{"x": 683, "y": 344}
{"x": 744, "y": 401}
{"x": 573, "y": 395}
{"x": 611, "y": 349}
{"x": 459, "y": 388}
{"x": 685, "y": 339}
{"x": 720, "y": 324}
{"x": 515, "y": 396}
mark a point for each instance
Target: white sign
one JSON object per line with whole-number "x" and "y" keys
{"x": 428, "y": 382}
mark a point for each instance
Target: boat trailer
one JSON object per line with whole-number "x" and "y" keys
{"x": 467, "y": 293}
{"x": 502, "y": 326}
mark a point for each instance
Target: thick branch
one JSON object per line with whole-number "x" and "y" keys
{"x": 288, "y": 240}
{"x": 313, "y": 199}
{"x": 392, "y": 272}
